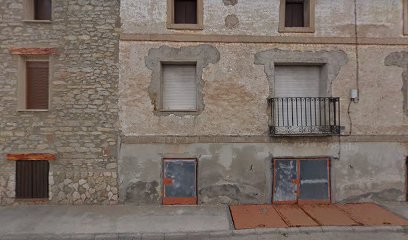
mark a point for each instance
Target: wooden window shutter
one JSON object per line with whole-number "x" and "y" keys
{"x": 32, "y": 179}
{"x": 37, "y": 85}
{"x": 42, "y": 9}
{"x": 179, "y": 88}
{"x": 185, "y": 11}
{"x": 295, "y": 13}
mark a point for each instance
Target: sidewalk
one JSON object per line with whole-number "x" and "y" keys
{"x": 171, "y": 222}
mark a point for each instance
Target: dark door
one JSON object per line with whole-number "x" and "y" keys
{"x": 301, "y": 181}
{"x": 180, "y": 181}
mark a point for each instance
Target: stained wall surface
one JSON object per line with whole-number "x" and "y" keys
{"x": 229, "y": 137}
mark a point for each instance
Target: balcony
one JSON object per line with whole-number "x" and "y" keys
{"x": 304, "y": 116}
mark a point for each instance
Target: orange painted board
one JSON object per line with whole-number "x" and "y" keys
{"x": 179, "y": 201}
{"x": 256, "y": 216}
{"x": 328, "y": 215}
{"x": 294, "y": 216}
{"x": 31, "y": 156}
{"x": 370, "y": 214}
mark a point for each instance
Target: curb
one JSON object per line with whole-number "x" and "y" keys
{"x": 205, "y": 235}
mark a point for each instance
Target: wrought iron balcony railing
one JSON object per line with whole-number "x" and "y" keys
{"x": 299, "y": 116}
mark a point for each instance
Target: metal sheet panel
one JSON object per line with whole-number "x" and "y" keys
{"x": 328, "y": 215}
{"x": 314, "y": 180}
{"x": 370, "y": 214}
{"x": 256, "y": 216}
{"x": 294, "y": 216}
{"x": 179, "y": 181}
{"x": 285, "y": 187}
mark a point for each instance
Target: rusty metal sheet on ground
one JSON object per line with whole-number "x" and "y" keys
{"x": 256, "y": 216}
{"x": 294, "y": 216}
{"x": 328, "y": 215}
{"x": 370, "y": 214}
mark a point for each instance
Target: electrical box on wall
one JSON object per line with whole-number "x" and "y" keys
{"x": 354, "y": 95}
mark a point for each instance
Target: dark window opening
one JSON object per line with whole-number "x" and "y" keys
{"x": 295, "y": 13}
{"x": 32, "y": 179}
{"x": 37, "y": 85}
{"x": 42, "y": 9}
{"x": 185, "y": 11}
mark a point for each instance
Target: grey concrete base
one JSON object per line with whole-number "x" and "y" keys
{"x": 111, "y": 219}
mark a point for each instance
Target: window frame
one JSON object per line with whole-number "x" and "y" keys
{"x": 309, "y": 17}
{"x": 176, "y": 200}
{"x": 298, "y": 183}
{"x": 405, "y": 17}
{"x": 29, "y": 14}
{"x": 22, "y": 81}
{"x": 161, "y": 109}
{"x": 200, "y": 17}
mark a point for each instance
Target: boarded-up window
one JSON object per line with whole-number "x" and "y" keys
{"x": 32, "y": 179}
{"x": 180, "y": 181}
{"x": 295, "y": 13}
{"x": 301, "y": 180}
{"x": 37, "y": 84}
{"x": 42, "y": 9}
{"x": 185, "y": 11}
{"x": 179, "y": 87}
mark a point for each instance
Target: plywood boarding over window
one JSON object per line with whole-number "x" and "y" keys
{"x": 179, "y": 87}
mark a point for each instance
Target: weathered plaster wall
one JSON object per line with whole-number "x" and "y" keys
{"x": 240, "y": 172}
{"x": 235, "y": 91}
{"x": 81, "y": 124}
{"x": 376, "y": 18}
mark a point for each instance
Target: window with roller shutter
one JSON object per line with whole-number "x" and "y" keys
{"x": 37, "y": 84}
{"x": 179, "y": 87}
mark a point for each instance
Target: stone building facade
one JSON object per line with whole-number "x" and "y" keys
{"x": 243, "y": 53}
{"x": 80, "y": 127}
{"x": 148, "y": 106}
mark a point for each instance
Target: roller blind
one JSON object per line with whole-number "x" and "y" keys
{"x": 179, "y": 87}
{"x": 297, "y": 81}
{"x": 37, "y": 85}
